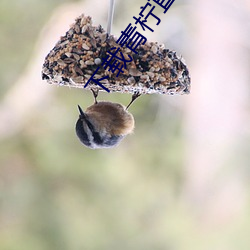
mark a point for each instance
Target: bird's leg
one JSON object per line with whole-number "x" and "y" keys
{"x": 134, "y": 97}
{"x": 95, "y": 94}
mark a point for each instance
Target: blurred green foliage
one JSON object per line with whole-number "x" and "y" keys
{"x": 20, "y": 23}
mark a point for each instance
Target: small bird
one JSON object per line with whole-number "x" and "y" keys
{"x": 104, "y": 124}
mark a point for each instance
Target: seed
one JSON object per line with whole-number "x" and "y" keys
{"x": 105, "y": 81}
{"x": 77, "y": 29}
{"x": 134, "y": 72}
{"x": 77, "y": 57}
{"x": 69, "y": 60}
{"x": 78, "y": 51}
{"x": 152, "y": 69}
{"x": 64, "y": 43}
{"x": 78, "y": 70}
{"x": 84, "y": 28}
{"x": 93, "y": 42}
{"x": 88, "y": 62}
{"x": 144, "y": 78}
{"x": 85, "y": 46}
{"x": 154, "y": 49}
{"x": 77, "y": 79}
{"x": 61, "y": 62}
{"x": 150, "y": 74}
{"x": 131, "y": 80}
{"x": 103, "y": 37}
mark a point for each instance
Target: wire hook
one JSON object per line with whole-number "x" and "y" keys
{"x": 110, "y": 16}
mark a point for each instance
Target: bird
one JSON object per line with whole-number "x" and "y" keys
{"x": 104, "y": 124}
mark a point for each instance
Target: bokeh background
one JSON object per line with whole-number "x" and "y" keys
{"x": 180, "y": 182}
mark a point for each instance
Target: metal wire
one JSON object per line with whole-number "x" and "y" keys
{"x": 110, "y": 16}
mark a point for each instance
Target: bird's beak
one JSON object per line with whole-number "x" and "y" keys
{"x": 82, "y": 115}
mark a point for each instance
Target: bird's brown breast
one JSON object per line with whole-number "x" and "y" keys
{"x": 111, "y": 117}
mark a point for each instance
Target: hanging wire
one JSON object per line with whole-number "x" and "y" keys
{"x": 110, "y": 16}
